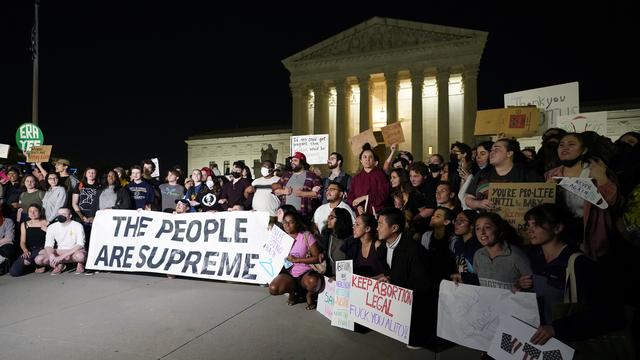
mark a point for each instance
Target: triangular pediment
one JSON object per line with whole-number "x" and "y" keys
{"x": 379, "y": 35}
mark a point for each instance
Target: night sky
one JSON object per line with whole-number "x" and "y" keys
{"x": 149, "y": 75}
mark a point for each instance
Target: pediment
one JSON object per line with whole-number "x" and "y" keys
{"x": 380, "y": 35}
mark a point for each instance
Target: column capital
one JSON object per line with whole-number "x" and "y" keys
{"x": 321, "y": 88}
{"x": 442, "y": 74}
{"x": 470, "y": 71}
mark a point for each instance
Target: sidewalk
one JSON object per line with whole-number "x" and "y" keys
{"x": 143, "y": 316}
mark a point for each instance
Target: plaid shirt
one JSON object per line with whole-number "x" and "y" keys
{"x": 311, "y": 180}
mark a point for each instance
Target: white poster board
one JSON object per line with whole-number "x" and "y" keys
{"x": 382, "y": 307}
{"x": 314, "y": 147}
{"x": 554, "y": 101}
{"x": 326, "y": 298}
{"x": 156, "y": 172}
{"x": 469, "y": 315}
{"x": 512, "y": 343}
{"x": 593, "y": 121}
{"x": 231, "y": 246}
{"x": 341, "y": 305}
{"x": 4, "y": 151}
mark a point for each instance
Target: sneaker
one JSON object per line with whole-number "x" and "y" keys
{"x": 58, "y": 269}
{"x": 411, "y": 347}
{"x": 169, "y": 276}
{"x": 79, "y": 268}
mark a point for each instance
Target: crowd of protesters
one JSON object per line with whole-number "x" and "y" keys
{"x": 409, "y": 223}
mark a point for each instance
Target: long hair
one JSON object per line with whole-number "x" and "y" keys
{"x": 505, "y": 233}
{"x": 344, "y": 224}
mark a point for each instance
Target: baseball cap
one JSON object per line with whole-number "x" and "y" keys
{"x": 184, "y": 201}
{"x": 300, "y": 156}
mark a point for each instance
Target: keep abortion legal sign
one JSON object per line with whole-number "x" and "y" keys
{"x": 230, "y": 246}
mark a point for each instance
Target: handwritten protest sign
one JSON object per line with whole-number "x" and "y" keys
{"x": 314, "y": 147}
{"x": 382, "y": 307}
{"x": 593, "y": 121}
{"x": 469, "y": 315}
{"x": 344, "y": 270}
{"x": 4, "y": 151}
{"x": 359, "y": 140}
{"x": 221, "y": 246}
{"x": 393, "y": 134}
{"x": 554, "y": 101}
{"x": 584, "y": 188}
{"x": 40, "y": 153}
{"x": 511, "y": 342}
{"x": 277, "y": 244}
{"x": 326, "y": 298}
{"x": 513, "y": 200}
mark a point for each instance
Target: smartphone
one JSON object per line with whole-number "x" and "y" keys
{"x": 287, "y": 264}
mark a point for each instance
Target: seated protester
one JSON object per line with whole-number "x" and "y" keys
{"x": 436, "y": 241}
{"x": 261, "y": 188}
{"x": 183, "y": 206}
{"x": 112, "y": 195}
{"x": 31, "y": 195}
{"x": 32, "y": 237}
{"x": 334, "y": 195}
{"x": 64, "y": 244}
{"x": 508, "y": 166}
{"x": 208, "y": 197}
{"x": 498, "y": 263}
{"x": 283, "y": 209}
{"x": 233, "y": 192}
{"x": 550, "y": 256}
{"x": 464, "y": 245}
{"x": 367, "y": 252}
{"x": 142, "y": 193}
{"x": 171, "y": 191}
{"x": 7, "y": 233}
{"x": 407, "y": 264}
{"x": 334, "y": 237}
{"x": 446, "y": 197}
{"x": 299, "y": 279}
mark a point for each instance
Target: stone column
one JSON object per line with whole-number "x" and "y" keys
{"x": 470, "y": 86}
{"x": 321, "y": 108}
{"x": 442, "y": 77}
{"x": 298, "y": 126}
{"x": 393, "y": 86}
{"x": 417, "y": 84}
{"x": 366, "y": 85}
{"x": 343, "y": 104}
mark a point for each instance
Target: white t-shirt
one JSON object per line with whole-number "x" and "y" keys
{"x": 264, "y": 199}
{"x": 322, "y": 213}
{"x": 66, "y": 235}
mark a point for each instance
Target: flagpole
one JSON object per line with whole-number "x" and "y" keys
{"x": 34, "y": 44}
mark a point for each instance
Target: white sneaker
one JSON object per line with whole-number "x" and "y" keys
{"x": 2, "y": 259}
{"x": 411, "y": 347}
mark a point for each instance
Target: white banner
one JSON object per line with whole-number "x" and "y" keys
{"x": 554, "y": 101}
{"x": 469, "y": 315}
{"x": 344, "y": 271}
{"x": 382, "y": 307}
{"x": 314, "y": 147}
{"x": 512, "y": 343}
{"x": 230, "y": 246}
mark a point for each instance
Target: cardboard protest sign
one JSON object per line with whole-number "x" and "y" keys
{"x": 393, "y": 134}
{"x": 230, "y": 246}
{"x": 359, "y": 140}
{"x": 40, "y": 153}
{"x": 513, "y": 200}
{"x": 314, "y": 147}
{"x": 469, "y": 315}
{"x": 382, "y": 307}
{"x": 514, "y": 121}
{"x": 341, "y": 318}
{"x": 511, "y": 342}
{"x": 584, "y": 188}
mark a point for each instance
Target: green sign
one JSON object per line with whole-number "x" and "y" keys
{"x": 28, "y": 136}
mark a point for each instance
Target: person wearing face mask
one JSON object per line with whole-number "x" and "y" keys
{"x": 233, "y": 192}
{"x": 591, "y": 224}
{"x": 208, "y": 197}
{"x": 261, "y": 188}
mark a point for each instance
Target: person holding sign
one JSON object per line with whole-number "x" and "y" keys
{"x": 298, "y": 279}
{"x": 578, "y": 161}
{"x": 370, "y": 187}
